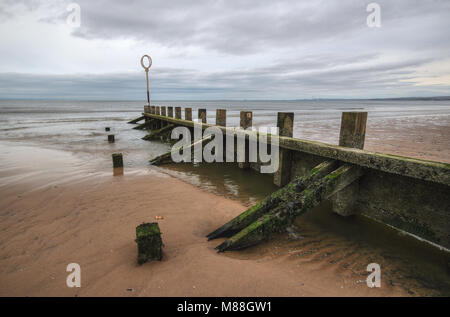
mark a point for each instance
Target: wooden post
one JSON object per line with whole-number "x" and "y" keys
{"x": 221, "y": 117}
{"x": 170, "y": 112}
{"x": 111, "y": 138}
{"x": 146, "y": 109}
{"x": 158, "y": 124}
{"x": 177, "y": 112}
{"x": 285, "y": 124}
{"x": 202, "y": 115}
{"x": 353, "y": 129}
{"x": 152, "y": 109}
{"x": 188, "y": 114}
{"x": 246, "y": 119}
{"x": 149, "y": 242}
{"x": 352, "y": 134}
{"x": 107, "y": 129}
{"x": 117, "y": 160}
{"x": 163, "y": 113}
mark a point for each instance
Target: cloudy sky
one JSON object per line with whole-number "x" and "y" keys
{"x": 229, "y": 49}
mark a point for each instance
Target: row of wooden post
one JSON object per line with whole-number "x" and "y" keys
{"x": 352, "y": 134}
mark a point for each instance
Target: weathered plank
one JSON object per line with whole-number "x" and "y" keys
{"x": 136, "y": 120}
{"x": 253, "y": 213}
{"x": 285, "y": 124}
{"x": 352, "y": 134}
{"x": 294, "y": 204}
{"x": 144, "y": 125}
{"x": 167, "y": 157}
{"x": 421, "y": 169}
{"x": 157, "y": 133}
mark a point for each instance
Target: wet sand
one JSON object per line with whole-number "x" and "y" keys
{"x": 92, "y": 223}
{"x": 56, "y": 208}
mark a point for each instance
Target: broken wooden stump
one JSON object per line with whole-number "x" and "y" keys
{"x": 202, "y": 115}
{"x": 117, "y": 160}
{"x": 111, "y": 138}
{"x": 167, "y": 157}
{"x": 158, "y": 133}
{"x": 136, "y": 120}
{"x": 292, "y": 203}
{"x": 149, "y": 242}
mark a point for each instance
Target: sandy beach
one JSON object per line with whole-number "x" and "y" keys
{"x": 51, "y": 220}
{"x": 61, "y": 204}
{"x": 93, "y": 224}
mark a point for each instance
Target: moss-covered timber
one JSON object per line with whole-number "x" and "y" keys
{"x": 157, "y": 133}
{"x": 293, "y": 204}
{"x": 148, "y": 239}
{"x": 136, "y": 120}
{"x": 144, "y": 125}
{"x": 167, "y": 157}
{"x": 253, "y": 213}
{"x": 421, "y": 169}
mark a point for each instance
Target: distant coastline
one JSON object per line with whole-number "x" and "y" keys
{"x": 433, "y": 98}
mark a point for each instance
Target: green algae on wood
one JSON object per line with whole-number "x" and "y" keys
{"x": 148, "y": 239}
{"x": 416, "y": 168}
{"x": 136, "y": 120}
{"x": 157, "y": 133}
{"x": 253, "y": 213}
{"x": 117, "y": 160}
{"x": 166, "y": 158}
{"x": 144, "y": 125}
{"x": 293, "y": 203}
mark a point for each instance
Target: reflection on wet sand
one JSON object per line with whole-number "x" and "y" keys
{"x": 118, "y": 171}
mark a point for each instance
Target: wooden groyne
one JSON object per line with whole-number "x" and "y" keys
{"x": 406, "y": 193}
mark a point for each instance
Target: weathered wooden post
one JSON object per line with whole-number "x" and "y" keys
{"x": 152, "y": 109}
{"x": 107, "y": 129}
{"x": 163, "y": 113}
{"x": 170, "y": 112}
{"x": 352, "y": 134}
{"x": 158, "y": 123}
{"x": 117, "y": 160}
{"x": 188, "y": 114}
{"x": 146, "y": 110}
{"x": 149, "y": 242}
{"x": 177, "y": 112}
{"x": 221, "y": 117}
{"x": 202, "y": 115}
{"x": 246, "y": 119}
{"x": 285, "y": 124}
{"x": 111, "y": 138}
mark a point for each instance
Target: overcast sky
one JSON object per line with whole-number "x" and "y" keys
{"x": 206, "y": 49}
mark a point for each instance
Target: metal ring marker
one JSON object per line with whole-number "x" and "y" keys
{"x": 149, "y": 62}
{"x": 146, "y": 74}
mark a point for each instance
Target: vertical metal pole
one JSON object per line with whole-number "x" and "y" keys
{"x": 146, "y": 75}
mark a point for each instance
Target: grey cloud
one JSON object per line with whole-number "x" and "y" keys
{"x": 244, "y": 27}
{"x": 260, "y": 83}
{"x": 322, "y": 48}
